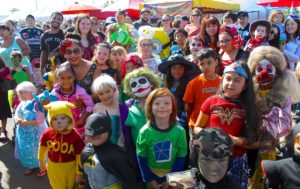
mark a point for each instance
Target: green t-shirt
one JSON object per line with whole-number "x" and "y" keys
{"x": 161, "y": 147}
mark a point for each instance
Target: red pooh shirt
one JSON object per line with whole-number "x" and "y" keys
{"x": 62, "y": 147}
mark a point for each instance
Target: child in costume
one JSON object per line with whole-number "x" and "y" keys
{"x": 105, "y": 165}
{"x": 63, "y": 145}
{"x": 276, "y": 89}
{"x": 131, "y": 62}
{"x": 230, "y": 110}
{"x": 102, "y": 59}
{"x": 161, "y": 145}
{"x": 18, "y": 71}
{"x": 137, "y": 84}
{"x": 176, "y": 69}
{"x": 259, "y": 31}
{"x": 212, "y": 152}
{"x": 67, "y": 89}
{"x": 284, "y": 173}
{"x": 106, "y": 89}
{"x": 30, "y": 125}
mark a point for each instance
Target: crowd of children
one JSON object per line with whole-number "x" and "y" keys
{"x": 217, "y": 105}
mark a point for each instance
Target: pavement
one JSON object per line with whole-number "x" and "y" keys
{"x": 11, "y": 171}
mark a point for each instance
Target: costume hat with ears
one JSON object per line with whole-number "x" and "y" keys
{"x": 58, "y": 108}
{"x": 265, "y": 23}
{"x": 175, "y": 58}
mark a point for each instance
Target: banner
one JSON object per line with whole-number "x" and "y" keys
{"x": 171, "y": 8}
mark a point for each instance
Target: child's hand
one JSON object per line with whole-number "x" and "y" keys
{"x": 40, "y": 117}
{"x": 153, "y": 184}
{"x": 80, "y": 122}
{"x": 79, "y": 103}
{"x": 78, "y": 179}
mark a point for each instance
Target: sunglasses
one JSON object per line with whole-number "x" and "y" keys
{"x": 196, "y": 15}
{"x": 75, "y": 51}
{"x": 94, "y": 23}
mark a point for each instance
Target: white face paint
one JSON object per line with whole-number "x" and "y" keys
{"x": 212, "y": 169}
{"x": 265, "y": 72}
{"x": 140, "y": 86}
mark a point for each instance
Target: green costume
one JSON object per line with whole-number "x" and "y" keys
{"x": 162, "y": 148}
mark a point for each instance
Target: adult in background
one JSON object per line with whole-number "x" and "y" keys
{"x": 9, "y": 43}
{"x": 195, "y": 22}
{"x": 292, "y": 47}
{"x": 145, "y": 50}
{"x": 85, "y": 71}
{"x": 95, "y": 29}
{"x": 243, "y": 26}
{"x": 209, "y": 32}
{"x": 167, "y": 26}
{"x": 50, "y": 41}
{"x": 184, "y": 21}
{"x": 32, "y": 35}
{"x": 144, "y": 19}
{"x": 230, "y": 43}
{"x": 88, "y": 39}
{"x": 13, "y": 28}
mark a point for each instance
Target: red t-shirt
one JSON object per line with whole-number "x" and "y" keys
{"x": 226, "y": 115}
{"x": 62, "y": 148}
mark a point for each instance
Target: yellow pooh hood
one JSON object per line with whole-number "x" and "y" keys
{"x": 58, "y": 108}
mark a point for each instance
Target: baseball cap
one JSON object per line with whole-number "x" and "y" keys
{"x": 145, "y": 10}
{"x": 97, "y": 123}
{"x": 110, "y": 20}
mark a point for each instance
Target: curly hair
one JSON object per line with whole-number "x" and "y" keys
{"x": 146, "y": 72}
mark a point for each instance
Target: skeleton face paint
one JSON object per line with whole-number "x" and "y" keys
{"x": 140, "y": 86}
{"x": 265, "y": 74}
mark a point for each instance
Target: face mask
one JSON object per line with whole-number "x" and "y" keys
{"x": 140, "y": 86}
{"x": 265, "y": 73}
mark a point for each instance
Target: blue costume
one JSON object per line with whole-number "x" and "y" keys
{"x": 27, "y": 137}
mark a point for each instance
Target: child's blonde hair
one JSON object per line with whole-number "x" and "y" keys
{"x": 119, "y": 50}
{"x": 274, "y": 13}
{"x": 25, "y": 86}
{"x": 104, "y": 80}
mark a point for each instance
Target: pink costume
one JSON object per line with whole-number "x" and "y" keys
{"x": 78, "y": 93}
